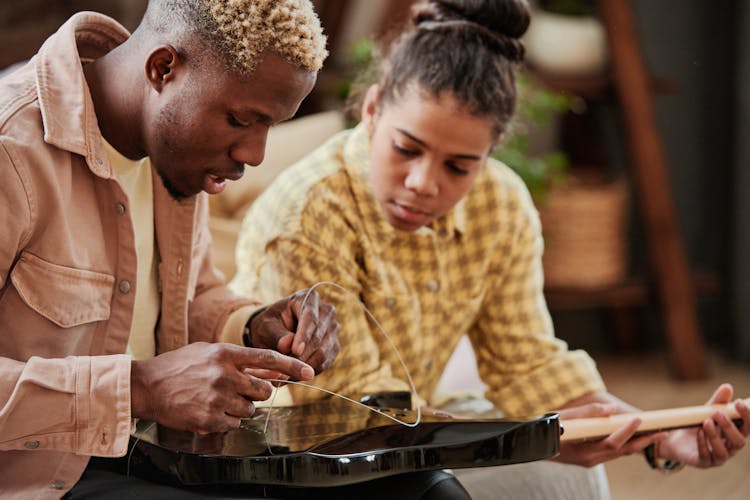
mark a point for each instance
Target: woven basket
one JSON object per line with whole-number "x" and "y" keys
{"x": 585, "y": 227}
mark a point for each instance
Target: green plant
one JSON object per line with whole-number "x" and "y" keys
{"x": 537, "y": 107}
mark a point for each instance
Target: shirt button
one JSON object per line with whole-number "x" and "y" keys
{"x": 57, "y": 484}
{"x": 120, "y": 208}
{"x": 428, "y": 365}
{"x": 31, "y": 445}
{"x": 124, "y": 286}
{"x": 99, "y": 161}
{"x": 390, "y": 302}
{"x": 433, "y": 285}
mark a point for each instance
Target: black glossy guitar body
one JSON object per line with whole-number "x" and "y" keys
{"x": 332, "y": 443}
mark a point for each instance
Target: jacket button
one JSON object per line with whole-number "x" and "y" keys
{"x": 433, "y": 285}
{"x": 31, "y": 445}
{"x": 390, "y": 302}
{"x": 124, "y": 286}
{"x": 57, "y": 484}
{"x": 120, "y": 208}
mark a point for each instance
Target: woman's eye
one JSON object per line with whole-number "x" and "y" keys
{"x": 456, "y": 169}
{"x": 405, "y": 151}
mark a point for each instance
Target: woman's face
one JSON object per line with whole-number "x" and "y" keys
{"x": 425, "y": 154}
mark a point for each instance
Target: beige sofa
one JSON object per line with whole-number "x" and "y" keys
{"x": 287, "y": 143}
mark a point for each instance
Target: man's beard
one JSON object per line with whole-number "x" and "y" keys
{"x": 172, "y": 189}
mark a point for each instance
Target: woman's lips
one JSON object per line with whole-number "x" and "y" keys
{"x": 409, "y": 213}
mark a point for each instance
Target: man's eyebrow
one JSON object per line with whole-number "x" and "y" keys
{"x": 263, "y": 118}
{"x": 260, "y": 116}
{"x": 462, "y": 156}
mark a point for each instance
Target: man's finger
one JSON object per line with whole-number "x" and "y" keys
{"x": 307, "y": 324}
{"x": 325, "y": 355}
{"x": 265, "y": 374}
{"x": 240, "y": 408}
{"x": 267, "y": 359}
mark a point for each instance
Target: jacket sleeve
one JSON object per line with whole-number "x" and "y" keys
{"x": 78, "y": 404}
{"x": 527, "y": 369}
{"x": 75, "y": 404}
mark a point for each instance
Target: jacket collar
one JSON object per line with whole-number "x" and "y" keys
{"x": 68, "y": 114}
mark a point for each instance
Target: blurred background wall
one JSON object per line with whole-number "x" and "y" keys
{"x": 705, "y": 128}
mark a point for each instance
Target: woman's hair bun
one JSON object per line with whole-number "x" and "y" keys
{"x": 505, "y": 21}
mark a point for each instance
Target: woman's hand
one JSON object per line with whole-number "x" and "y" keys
{"x": 717, "y": 440}
{"x": 619, "y": 443}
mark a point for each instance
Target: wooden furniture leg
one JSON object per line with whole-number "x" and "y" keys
{"x": 668, "y": 262}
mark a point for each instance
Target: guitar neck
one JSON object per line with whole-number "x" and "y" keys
{"x": 581, "y": 429}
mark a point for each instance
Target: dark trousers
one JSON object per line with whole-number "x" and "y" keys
{"x": 106, "y": 479}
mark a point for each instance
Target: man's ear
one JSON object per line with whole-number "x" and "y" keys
{"x": 370, "y": 107}
{"x": 160, "y": 66}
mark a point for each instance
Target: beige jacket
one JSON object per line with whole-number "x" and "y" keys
{"x": 68, "y": 272}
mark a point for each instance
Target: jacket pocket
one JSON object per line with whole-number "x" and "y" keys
{"x": 64, "y": 295}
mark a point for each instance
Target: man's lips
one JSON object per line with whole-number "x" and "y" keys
{"x": 215, "y": 184}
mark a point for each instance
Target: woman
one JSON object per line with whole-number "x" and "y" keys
{"x": 409, "y": 213}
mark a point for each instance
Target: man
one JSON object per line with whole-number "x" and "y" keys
{"x": 110, "y": 308}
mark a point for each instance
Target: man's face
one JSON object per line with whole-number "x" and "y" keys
{"x": 206, "y": 124}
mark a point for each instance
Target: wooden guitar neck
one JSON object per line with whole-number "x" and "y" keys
{"x": 579, "y": 429}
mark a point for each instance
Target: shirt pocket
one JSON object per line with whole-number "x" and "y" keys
{"x": 64, "y": 295}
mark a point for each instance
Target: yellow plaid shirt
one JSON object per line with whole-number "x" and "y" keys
{"x": 476, "y": 271}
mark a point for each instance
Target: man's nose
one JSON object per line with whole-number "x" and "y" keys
{"x": 251, "y": 149}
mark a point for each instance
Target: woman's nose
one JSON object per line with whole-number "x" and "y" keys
{"x": 422, "y": 179}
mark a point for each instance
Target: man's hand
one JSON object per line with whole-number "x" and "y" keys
{"x": 207, "y": 387}
{"x": 715, "y": 441}
{"x": 307, "y": 330}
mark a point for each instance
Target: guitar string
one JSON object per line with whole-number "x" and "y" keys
{"x": 132, "y": 449}
{"x": 380, "y": 328}
{"x": 270, "y": 408}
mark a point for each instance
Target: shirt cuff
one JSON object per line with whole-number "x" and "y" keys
{"x": 235, "y": 325}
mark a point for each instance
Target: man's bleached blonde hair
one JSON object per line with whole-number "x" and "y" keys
{"x": 241, "y": 30}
